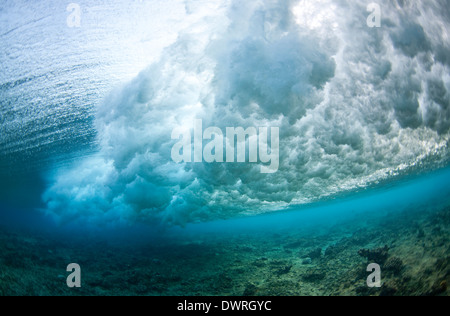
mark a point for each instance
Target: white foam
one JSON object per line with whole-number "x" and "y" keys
{"x": 354, "y": 105}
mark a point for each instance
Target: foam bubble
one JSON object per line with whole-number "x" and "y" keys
{"x": 354, "y": 105}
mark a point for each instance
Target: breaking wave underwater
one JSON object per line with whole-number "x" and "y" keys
{"x": 355, "y": 106}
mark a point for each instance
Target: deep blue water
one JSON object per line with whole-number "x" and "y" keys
{"x": 413, "y": 193}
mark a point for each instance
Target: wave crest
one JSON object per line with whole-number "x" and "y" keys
{"x": 354, "y": 106}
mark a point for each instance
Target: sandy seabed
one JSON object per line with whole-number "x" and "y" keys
{"x": 411, "y": 246}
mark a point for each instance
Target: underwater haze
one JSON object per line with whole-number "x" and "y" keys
{"x": 103, "y": 163}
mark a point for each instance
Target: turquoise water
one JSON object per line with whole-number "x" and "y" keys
{"x": 416, "y": 192}
{"x": 413, "y": 192}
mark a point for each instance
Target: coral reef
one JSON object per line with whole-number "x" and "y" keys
{"x": 378, "y": 255}
{"x": 314, "y": 276}
{"x": 315, "y": 254}
{"x": 394, "y": 265}
{"x": 284, "y": 262}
